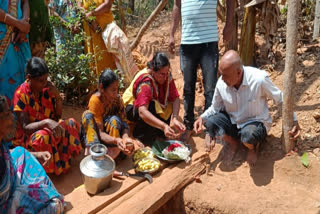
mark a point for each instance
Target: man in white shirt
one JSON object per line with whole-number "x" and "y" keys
{"x": 239, "y": 111}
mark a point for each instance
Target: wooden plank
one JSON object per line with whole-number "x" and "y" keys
{"x": 78, "y": 201}
{"x": 144, "y": 199}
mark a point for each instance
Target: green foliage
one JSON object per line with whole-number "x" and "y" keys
{"x": 284, "y": 10}
{"x": 305, "y": 159}
{"x": 308, "y": 9}
{"x": 69, "y": 67}
{"x": 142, "y": 10}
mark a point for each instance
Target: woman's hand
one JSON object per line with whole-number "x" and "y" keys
{"x": 89, "y": 14}
{"x": 76, "y": 28}
{"x": 24, "y": 26}
{"x": 19, "y": 37}
{"x": 43, "y": 157}
{"x": 129, "y": 144}
{"x": 54, "y": 126}
{"x": 178, "y": 125}
{"x": 122, "y": 146}
{"x": 169, "y": 132}
{"x": 53, "y": 89}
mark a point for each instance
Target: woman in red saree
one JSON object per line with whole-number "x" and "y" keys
{"x": 38, "y": 106}
{"x": 152, "y": 101}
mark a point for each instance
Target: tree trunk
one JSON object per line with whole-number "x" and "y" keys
{"x": 131, "y": 5}
{"x": 122, "y": 18}
{"x": 316, "y": 24}
{"x": 290, "y": 73}
{"x": 233, "y": 43}
{"x": 248, "y": 32}
{"x": 145, "y": 26}
{"x": 221, "y": 12}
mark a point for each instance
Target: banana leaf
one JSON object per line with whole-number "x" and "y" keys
{"x": 158, "y": 146}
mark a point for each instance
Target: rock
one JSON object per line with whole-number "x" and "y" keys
{"x": 315, "y": 144}
{"x": 316, "y": 115}
{"x": 307, "y": 136}
{"x": 308, "y": 130}
{"x": 308, "y": 63}
{"x": 316, "y": 151}
{"x": 219, "y": 187}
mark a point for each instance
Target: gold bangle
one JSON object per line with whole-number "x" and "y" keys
{"x": 5, "y": 18}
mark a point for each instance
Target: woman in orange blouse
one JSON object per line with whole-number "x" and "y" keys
{"x": 104, "y": 121}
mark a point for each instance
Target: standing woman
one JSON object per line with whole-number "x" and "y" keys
{"x": 38, "y": 106}
{"x": 106, "y": 40}
{"x": 14, "y": 49}
{"x": 94, "y": 43}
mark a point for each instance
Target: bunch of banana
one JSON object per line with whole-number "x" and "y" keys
{"x": 147, "y": 164}
{"x": 142, "y": 154}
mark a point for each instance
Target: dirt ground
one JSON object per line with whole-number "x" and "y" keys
{"x": 279, "y": 183}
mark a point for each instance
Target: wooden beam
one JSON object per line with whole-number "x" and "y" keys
{"x": 147, "y": 200}
{"x": 79, "y": 201}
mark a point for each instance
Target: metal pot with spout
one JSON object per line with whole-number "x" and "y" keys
{"x": 97, "y": 169}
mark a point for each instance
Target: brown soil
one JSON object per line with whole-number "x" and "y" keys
{"x": 279, "y": 183}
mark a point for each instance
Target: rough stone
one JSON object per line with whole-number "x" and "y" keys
{"x": 316, "y": 115}
{"x": 316, "y": 151}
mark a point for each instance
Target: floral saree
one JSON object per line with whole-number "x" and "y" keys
{"x": 25, "y": 187}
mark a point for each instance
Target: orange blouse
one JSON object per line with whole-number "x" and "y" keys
{"x": 99, "y": 111}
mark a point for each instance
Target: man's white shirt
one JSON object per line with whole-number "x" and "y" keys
{"x": 248, "y": 103}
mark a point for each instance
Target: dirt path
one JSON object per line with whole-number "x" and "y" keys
{"x": 279, "y": 183}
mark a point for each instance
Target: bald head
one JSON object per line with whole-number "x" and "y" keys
{"x": 230, "y": 67}
{"x": 230, "y": 59}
